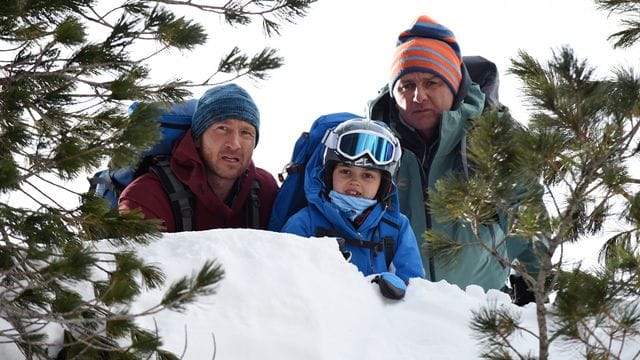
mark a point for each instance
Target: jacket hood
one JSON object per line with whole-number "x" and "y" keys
{"x": 456, "y": 121}
{"x": 317, "y": 196}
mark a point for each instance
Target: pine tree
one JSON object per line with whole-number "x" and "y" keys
{"x": 630, "y": 12}
{"x": 577, "y": 153}
{"x": 63, "y": 100}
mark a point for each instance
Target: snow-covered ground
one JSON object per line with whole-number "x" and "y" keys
{"x": 288, "y": 298}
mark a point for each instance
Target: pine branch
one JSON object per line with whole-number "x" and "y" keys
{"x": 236, "y": 12}
{"x": 631, "y": 34}
{"x": 64, "y": 112}
{"x": 582, "y": 134}
{"x": 187, "y": 289}
{"x": 494, "y": 327}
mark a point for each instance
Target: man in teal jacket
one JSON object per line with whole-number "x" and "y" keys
{"x": 429, "y": 102}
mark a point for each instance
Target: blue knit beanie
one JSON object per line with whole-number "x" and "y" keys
{"x": 223, "y": 102}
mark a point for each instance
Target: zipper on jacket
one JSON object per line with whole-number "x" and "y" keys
{"x": 424, "y": 175}
{"x": 427, "y": 159}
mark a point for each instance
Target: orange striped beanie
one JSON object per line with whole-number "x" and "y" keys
{"x": 430, "y": 48}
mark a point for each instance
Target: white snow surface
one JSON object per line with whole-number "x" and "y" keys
{"x": 286, "y": 297}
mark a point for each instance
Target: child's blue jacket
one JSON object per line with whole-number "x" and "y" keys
{"x": 383, "y": 220}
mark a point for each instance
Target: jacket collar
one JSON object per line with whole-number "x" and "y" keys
{"x": 189, "y": 168}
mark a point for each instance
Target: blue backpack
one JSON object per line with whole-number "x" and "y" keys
{"x": 109, "y": 183}
{"x": 291, "y": 196}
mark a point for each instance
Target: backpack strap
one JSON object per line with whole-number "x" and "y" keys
{"x": 253, "y": 208}
{"x": 181, "y": 198}
{"x": 95, "y": 180}
{"x": 387, "y": 245}
{"x": 101, "y": 182}
{"x": 342, "y": 241}
{"x": 389, "y": 242}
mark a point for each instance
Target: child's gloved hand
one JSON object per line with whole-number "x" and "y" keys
{"x": 391, "y": 286}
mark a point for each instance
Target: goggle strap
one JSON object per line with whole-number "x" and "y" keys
{"x": 330, "y": 139}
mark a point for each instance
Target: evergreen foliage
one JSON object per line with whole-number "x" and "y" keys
{"x": 68, "y": 72}
{"x": 630, "y": 10}
{"x": 577, "y": 154}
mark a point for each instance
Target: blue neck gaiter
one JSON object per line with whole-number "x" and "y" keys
{"x": 351, "y": 205}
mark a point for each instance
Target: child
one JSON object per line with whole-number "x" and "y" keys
{"x": 351, "y": 195}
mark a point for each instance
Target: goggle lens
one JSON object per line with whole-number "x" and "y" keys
{"x": 354, "y": 145}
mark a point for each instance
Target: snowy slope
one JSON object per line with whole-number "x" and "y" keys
{"x": 285, "y": 297}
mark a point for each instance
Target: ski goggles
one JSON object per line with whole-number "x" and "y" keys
{"x": 352, "y": 145}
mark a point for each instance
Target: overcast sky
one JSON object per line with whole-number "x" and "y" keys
{"x": 338, "y": 56}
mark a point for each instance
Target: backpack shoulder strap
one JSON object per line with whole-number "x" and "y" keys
{"x": 253, "y": 207}
{"x": 388, "y": 241}
{"x": 387, "y": 244}
{"x": 320, "y": 232}
{"x": 181, "y": 198}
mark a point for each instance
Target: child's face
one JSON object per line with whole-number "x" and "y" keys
{"x": 356, "y": 181}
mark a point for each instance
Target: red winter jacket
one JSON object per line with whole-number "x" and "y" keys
{"x": 147, "y": 194}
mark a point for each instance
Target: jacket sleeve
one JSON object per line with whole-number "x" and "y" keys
{"x": 299, "y": 224}
{"x": 407, "y": 260}
{"x": 146, "y": 194}
{"x": 268, "y": 192}
{"x": 522, "y": 250}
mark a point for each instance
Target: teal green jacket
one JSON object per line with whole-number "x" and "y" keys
{"x": 422, "y": 165}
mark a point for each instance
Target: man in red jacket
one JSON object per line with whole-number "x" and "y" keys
{"x": 213, "y": 160}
